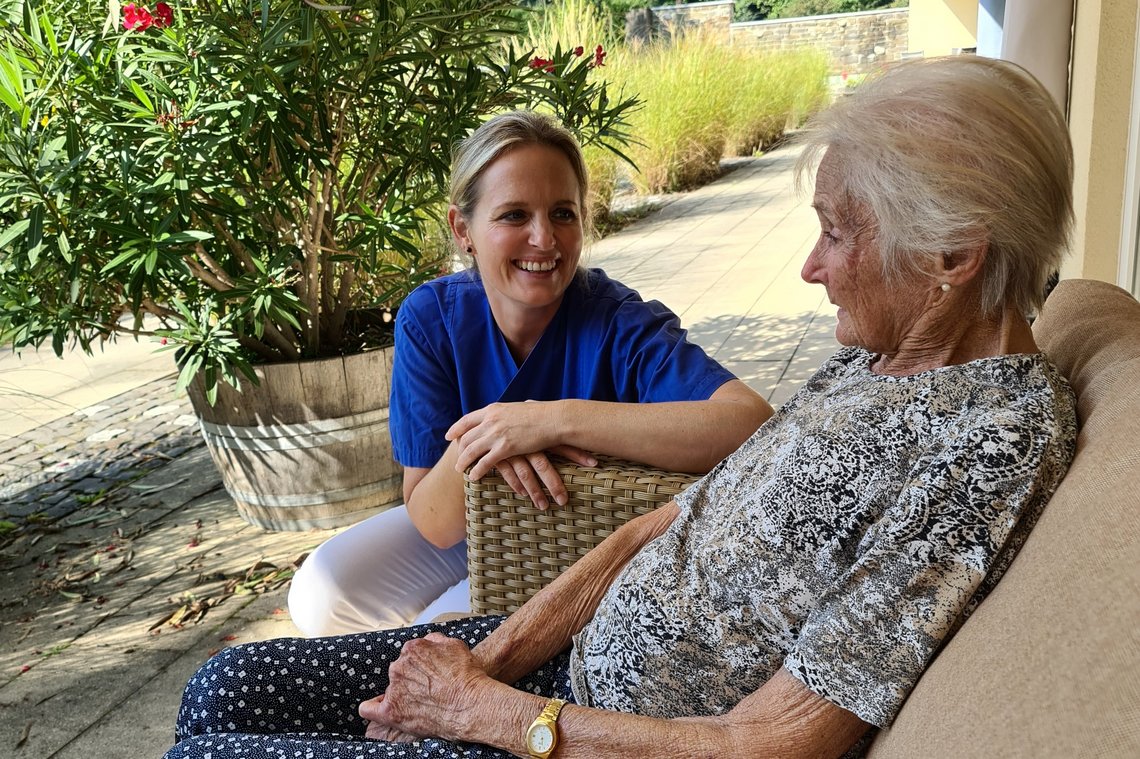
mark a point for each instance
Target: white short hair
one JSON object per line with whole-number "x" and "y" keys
{"x": 951, "y": 154}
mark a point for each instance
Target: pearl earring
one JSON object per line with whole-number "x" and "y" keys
{"x": 945, "y": 285}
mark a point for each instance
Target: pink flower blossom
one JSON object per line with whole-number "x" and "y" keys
{"x": 545, "y": 64}
{"x": 163, "y": 15}
{"x": 136, "y": 17}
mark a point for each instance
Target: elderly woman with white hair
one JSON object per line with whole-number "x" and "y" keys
{"x": 787, "y": 603}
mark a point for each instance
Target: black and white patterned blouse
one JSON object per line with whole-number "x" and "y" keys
{"x": 845, "y": 541}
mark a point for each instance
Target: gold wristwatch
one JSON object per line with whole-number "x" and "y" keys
{"x": 542, "y": 735}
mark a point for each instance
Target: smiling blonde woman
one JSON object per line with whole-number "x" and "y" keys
{"x": 525, "y": 355}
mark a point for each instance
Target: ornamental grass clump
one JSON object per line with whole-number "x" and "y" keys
{"x": 681, "y": 126}
{"x": 775, "y": 92}
{"x": 259, "y": 176}
{"x": 704, "y": 99}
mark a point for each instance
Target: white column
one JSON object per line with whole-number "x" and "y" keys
{"x": 1038, "y": 34}
{"x": 991, "y": 16}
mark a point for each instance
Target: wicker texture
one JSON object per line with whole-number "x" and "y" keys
{"x": 514, "y": 549}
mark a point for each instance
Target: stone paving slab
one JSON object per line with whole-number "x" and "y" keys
{"x": 81, "y": 459}
{"x": 142, "y": 724}
{"x": 181, "y": 540}
{"x": 37, "y": 387}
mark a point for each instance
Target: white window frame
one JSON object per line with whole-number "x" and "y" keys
{"x": 1128, "y": 268}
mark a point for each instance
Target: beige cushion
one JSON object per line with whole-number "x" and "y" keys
{"x": 1049, "y": 665}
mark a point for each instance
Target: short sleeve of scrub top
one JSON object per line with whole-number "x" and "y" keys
{"x": 425, "y": 399}
{"x": 653, "y": 360}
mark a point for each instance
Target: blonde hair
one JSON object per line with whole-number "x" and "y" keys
{"x": 485, "y": 145}
{"x": 953, "y": 154}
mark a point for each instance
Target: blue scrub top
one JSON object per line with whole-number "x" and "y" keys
{"x": 604, "y": 344}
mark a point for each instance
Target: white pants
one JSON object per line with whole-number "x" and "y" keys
{"x": 377, "y": 574}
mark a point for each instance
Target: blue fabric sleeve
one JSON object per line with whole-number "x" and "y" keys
{"x": 655, "y": 361}
{"x": 425, "y": 398}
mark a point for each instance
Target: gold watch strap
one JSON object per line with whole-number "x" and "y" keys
{"x": 548, "y": 716}
{"x": 553, "y": 708}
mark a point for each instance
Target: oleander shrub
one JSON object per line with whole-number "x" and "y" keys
{"x": 578, "y": 26}
{"x": 253, "y": 174}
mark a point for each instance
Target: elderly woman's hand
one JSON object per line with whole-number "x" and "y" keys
{"x": 432, "y": 691}
{"x": 378, "y": 732}
{"x": 515, "y": 439}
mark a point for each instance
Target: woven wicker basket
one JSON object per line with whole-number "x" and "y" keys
{"x": 513, "y": 549}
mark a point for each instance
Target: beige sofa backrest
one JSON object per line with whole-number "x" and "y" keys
{"x": 1049, "y": 665}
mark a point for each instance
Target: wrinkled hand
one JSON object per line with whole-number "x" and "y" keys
{"x": 515, "y": 439}
{"x": 432, "y": 691}
{"x": 378, "y": 732}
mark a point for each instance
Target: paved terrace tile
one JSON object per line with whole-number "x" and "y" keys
{"x": 37, "y": 388}
{"x": 124, "y": 520}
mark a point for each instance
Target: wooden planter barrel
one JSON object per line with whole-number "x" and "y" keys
{"x": 308, "y": 446}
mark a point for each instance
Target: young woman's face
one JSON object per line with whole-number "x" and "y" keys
{"x": 525, "y": 231}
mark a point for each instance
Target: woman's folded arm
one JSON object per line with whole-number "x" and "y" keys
{"x": 543, "y": 627}
{"x": 782, "y": 719}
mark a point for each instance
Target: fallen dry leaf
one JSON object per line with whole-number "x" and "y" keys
{"x": 27, "y": 731}
{"x": 261, "y": 577}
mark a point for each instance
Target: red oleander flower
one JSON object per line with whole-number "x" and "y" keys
{"x": 164, "y": 15}
{"x": 599, "y": 56}
{"x": 578, "y": 51}
{"x": 136, "y": 17}
{"x": 545, "y": 64}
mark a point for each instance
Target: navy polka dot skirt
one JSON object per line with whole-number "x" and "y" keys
{"x": 296, "y": 698}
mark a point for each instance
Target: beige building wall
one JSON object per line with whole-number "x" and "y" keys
{"x": 938, "y": 26}
{"x": 1104, "y": 49}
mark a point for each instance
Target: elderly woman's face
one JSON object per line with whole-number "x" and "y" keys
{"x": 525, "y": 230}
{"x": 845, "y": 260}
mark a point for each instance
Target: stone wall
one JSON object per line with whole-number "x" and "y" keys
{"x": 855, "y": 42}
{"x": 715, "y": 16}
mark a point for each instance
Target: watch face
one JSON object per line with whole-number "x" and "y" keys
{"x": 540, "y": 739}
